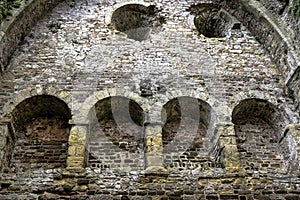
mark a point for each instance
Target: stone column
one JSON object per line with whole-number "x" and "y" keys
{"x": 291, "y": 140}
{"x": 154, "y": 148}
{"x": 76, "y": 151}
{"x": 230, "y": 152}
{"x": 6, "y": 145}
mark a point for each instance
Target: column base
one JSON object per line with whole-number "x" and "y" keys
{"x": 74, "y": 170}
{"x": 156, "y": 170}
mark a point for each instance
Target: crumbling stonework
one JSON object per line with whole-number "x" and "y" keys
{"x": 150, "y": 100}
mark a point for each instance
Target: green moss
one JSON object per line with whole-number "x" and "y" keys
{"x": 290, "y": 93}
{"x": 295, "y": 8}
{"x": 6, "y": 13}
{"x": 298, "y": 73}
{"x": 6, "y": 7}
{"x": 16, "y": 4}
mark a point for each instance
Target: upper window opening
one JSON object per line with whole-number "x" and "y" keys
{"x": 136, "y": 21}
{"x": 212, "y": 21}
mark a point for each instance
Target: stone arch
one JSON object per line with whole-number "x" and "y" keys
{"x": 287, "y": 115}
{"x": 212, "y": 21}
{"x": 30, "y": 92}
{"x": 253, "y": 94}
{"x": 259, "y": 127}
{"x": 98, "y": 114}
{"x": 116, "y": 139}
{"x": 39, "y": 132}
{"x": 188, "y": 133}
{"x": 82, "y": 113}
{"x": 136, "y": 20}
{"x": 221, "y": 110}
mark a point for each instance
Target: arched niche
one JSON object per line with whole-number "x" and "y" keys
{"x": 188, "y": 134}
{"x": 259, "y": 130}
{"x": 212, "y": 21}
{"x": 136, "y": 21}
{"x": 116, "y": 139}
{"x": 40, "y": 133}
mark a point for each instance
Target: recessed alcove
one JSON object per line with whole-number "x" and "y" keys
{"x": 212, "y": 21}
{"x": 136, "y": 21}
{"x": 40, "y": 131}
{"x": 258, "y": 127}
{"x": 115, "y": 138}
{"x": 187, "y": 134}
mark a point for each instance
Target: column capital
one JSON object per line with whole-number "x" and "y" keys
{"x": 225, "y": 124}
{"x": 225, "y": 129}
{"x": 294, "y": 129}
{"x": 153, "y": 123}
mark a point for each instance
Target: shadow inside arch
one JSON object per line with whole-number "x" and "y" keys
{"x": 39, "y": 134}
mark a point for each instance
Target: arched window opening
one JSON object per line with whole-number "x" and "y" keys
{"x": 188, "y": 134}
{"x": 137, "y": 21}
{"x": 212, "y": 21}
{"x": 116, "y": 138}
{"x": 258, "y": 127}
{"x": 41, "y": 132}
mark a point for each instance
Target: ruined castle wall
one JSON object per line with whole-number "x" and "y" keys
{"x": 283, "y": 14}
{"x": 81, "y": 56}
{"x": 84, "y": 54}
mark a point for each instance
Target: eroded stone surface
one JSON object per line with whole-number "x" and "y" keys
{"x": 73, "y": 53}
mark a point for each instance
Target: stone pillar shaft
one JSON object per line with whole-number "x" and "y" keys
{"x": 154, "y": 149}
{"x": 76, "y": 151}
{"x": 292, "y": 140}
{"x": 230, "y": 152}
{"x": 5, "y": 145}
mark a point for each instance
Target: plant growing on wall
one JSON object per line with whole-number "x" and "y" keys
{"x": 6, "y": 7}
{"x": 295, "y": 8}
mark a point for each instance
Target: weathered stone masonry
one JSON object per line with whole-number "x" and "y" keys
{"x": 150, "y": 100}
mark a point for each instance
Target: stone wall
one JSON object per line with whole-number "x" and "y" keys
{"x": 271, "y": 32}
{"x": 14, "y": 28}
{"x": 188, "y": 104}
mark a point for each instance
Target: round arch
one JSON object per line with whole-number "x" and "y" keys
{"x": 115, "y": 119}
{"x": 21, "y": 96}
{"x": 39, "y": 106}
{"x": 83, "y": 112}
{"x": 188, "y": 133}
{"x": 39, "y": 133}
{"x": 259, "y": 128}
